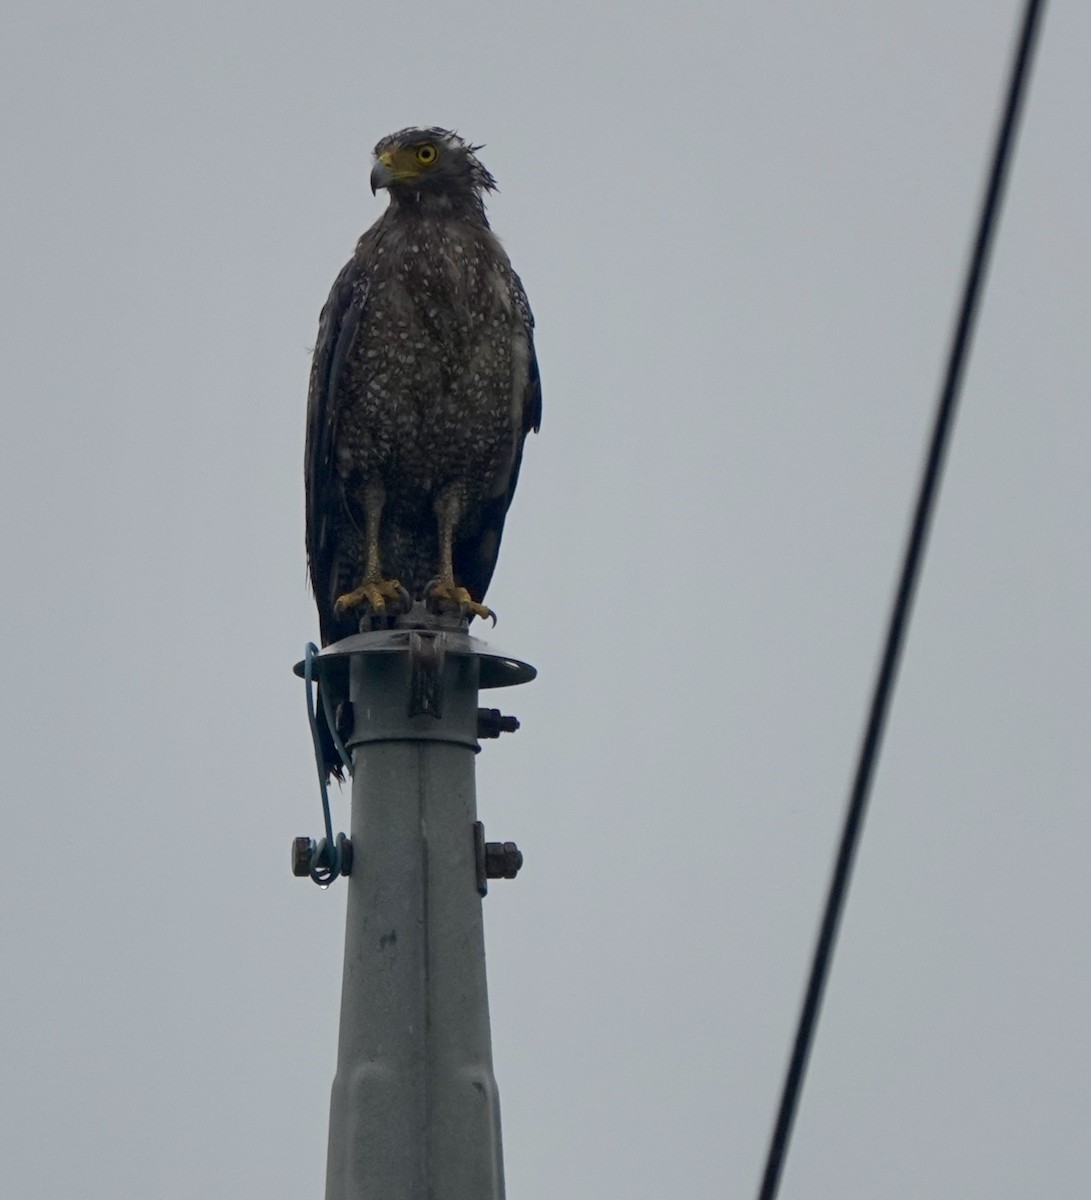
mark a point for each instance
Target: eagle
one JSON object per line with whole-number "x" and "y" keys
{"x": 423, "y": 388}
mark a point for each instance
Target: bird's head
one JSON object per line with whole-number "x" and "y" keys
{"x": 424, "y": 162}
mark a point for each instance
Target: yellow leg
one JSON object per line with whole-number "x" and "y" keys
{"x": 374, "y": 592}
{"x": 444, "y": 593}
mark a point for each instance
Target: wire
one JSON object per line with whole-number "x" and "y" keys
{"x": 329, "y": 857}
{"x": 309, "y": 655}
{"x": 899, "y": 617}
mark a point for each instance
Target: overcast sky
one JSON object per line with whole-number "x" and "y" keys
{"x": 742, "y": 229}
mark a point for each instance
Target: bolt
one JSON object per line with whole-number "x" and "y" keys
{"x": 491, "y": 723}
{"x": 502, "y": 860}
{"x": 302, "y": 850}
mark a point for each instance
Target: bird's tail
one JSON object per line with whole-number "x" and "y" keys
{"x": 331, "y": 757}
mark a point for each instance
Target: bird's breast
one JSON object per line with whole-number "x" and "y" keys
{"x": 428, "y": 382}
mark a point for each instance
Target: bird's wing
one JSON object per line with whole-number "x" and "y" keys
{"x": 532, "y": 395}
{"x": 475, "y": 556}
{"x": 326, "y": 505}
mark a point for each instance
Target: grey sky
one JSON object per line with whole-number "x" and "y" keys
{"x": 742, "y": 229}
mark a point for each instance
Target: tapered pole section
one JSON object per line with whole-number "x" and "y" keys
{"x": 415, "y": 1111}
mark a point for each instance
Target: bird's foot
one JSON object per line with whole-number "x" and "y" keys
{"x": 445, "y": 597}
{"x": 380, "y": 597}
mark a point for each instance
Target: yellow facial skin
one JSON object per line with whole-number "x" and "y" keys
{"x": 407, "y": 163}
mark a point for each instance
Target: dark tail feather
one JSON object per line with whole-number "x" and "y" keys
{"x": 331, "y": 760}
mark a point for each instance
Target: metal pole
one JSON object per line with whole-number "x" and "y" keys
{"x": 415, "y": 1113}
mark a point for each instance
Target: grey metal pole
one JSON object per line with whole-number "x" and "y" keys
{"x": 414, "y": 1113}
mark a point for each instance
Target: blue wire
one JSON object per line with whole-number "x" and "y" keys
{"x": 327, "y": 861}
{"x": 312, "y": 717}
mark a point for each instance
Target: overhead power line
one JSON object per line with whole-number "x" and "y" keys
{"x": 903, "y": 602}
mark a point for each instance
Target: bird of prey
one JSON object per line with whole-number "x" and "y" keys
{"x": 423, "y": 388}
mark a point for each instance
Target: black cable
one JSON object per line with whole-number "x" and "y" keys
{"x": 899, "y": 617}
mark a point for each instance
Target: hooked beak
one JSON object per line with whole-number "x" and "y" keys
{"x": 381, "y": 174}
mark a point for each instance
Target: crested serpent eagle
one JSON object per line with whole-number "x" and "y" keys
{"x": 423, "y": 388}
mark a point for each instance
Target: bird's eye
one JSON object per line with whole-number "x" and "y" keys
{"x": 427, "y": 154}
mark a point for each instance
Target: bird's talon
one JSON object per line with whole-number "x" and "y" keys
{"x": 480, "y": 610}
{"x": 449, "y": 597}
{"x": 374, "y": 595}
